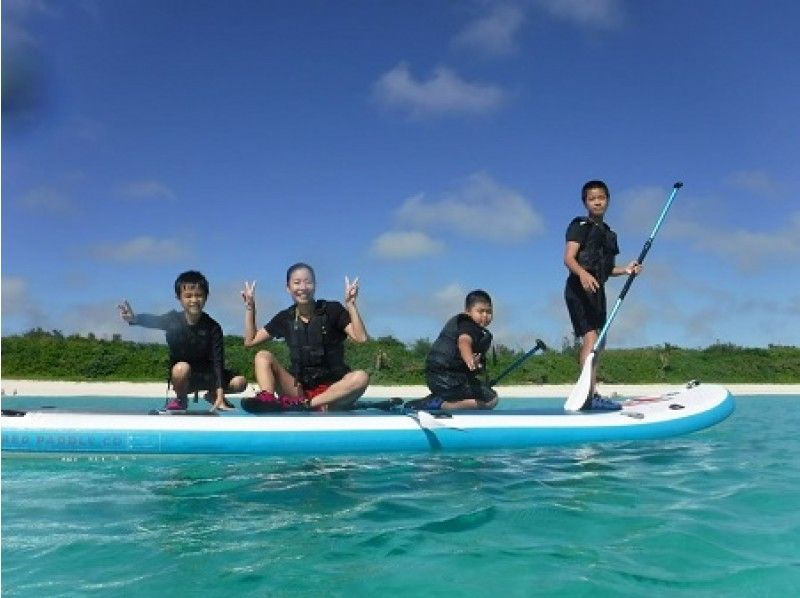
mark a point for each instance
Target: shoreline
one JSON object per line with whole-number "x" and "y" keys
{"x": 58, "y": 388}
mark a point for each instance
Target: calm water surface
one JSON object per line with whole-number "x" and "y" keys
{"x": 715, "y": 513}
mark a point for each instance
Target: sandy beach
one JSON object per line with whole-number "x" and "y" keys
{"x": 38, "y": 388}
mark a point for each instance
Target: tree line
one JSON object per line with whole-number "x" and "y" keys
{"x": 50, "y": 355}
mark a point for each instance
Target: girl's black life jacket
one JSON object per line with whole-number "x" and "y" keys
{"x": 444, "y": 355}
{"x": 598, "y": 248}
{"x": 316, "y": 357}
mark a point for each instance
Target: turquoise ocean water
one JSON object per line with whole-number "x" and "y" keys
{"x": 715, "y": 513}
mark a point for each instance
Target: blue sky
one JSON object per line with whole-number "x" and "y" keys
{"x": 427, "y": 147}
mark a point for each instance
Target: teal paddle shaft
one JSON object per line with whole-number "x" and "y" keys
{"x": 632, "y": 275}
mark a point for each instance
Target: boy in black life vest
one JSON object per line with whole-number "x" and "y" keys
{"x": 589, "y": 256}
{"x": 458, "y": 356}
{"x": 196, "y": 352}
{"x": 315, "y": 330}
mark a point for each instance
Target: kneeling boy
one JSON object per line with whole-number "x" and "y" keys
{"x": 457, "y": 357}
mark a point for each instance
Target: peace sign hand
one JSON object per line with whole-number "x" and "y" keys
{"x": 125, "y": 310}
{"x": 249, "y": 294}
{"x": 350, "y": 290}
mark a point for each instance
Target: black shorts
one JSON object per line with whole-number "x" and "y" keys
{"x": 454, "y": 386}
{"x": 587, "y": 311}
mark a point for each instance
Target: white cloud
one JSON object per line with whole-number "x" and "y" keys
{"x": 434, "y": 305}
{"x": 493, "y": 33}
{"x": 630, "y": 326}
{"x": 19, "y": 15}
{"x": 414, "y": 311}
{"x": 80, "y": 129}
{"x": 744, "y": 249}
{"x": 639, "y": 207}
{"x": 482, "y": 209}
{"x": 46, "y": 200}
{"x": 18, "y": 305}
{"x": 405, "y": 245}
{"x": 16, "y": 16}
{"x": 25, "y": 8}
{"x": 756, "y": 181}
{"x": 703, "y": 322}
{"x": 449, "y": 298}
{"x": 100, "y": 319}
{"x": 597, "y": 14}
{"x": 147, "y": 189}
{"x": 749, "y": 250}
{"x": 140, "y": 249}
{"x": 443, "y": 93}
{"x": 437, "y": 305}
{"x": 14, "y": 295}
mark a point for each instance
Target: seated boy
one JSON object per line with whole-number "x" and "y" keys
{"x": 196, "y": 352}
{"x": 457, "y": 357}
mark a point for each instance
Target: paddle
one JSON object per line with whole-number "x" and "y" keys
{"x": 385, "y": 405}
{"x": 580, "y": 391}
{"x": 540, "y": 346}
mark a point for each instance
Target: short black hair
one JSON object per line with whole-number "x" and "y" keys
{"x": 190, "y": 278}
{"x": 596, "y": 184}
{"x": 477, "y": 296}
{"x": 299, "y": 266}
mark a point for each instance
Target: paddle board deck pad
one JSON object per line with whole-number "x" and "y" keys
{"x": 681, "y": 411}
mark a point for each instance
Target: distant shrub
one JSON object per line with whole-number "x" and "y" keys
{"x": 40, "y": 354}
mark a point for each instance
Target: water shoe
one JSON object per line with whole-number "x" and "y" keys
{"x": 429, "y": 403}
{"x": 177, "y": 404}
{"x": 598, "y": 403}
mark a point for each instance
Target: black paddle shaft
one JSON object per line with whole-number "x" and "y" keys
{"x": 540, "y": 346}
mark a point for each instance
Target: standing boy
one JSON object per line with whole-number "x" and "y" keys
{"x": 457, "y": 357}
{"x": 196, "y": 352}
{"x": 589, "y": 256}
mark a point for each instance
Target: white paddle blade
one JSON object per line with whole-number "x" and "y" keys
{"x": 427, "y": 421}
{"x": 582, "y": 387}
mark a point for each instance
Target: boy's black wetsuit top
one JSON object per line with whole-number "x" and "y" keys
{"x": 597, "y": 252}
{"x": 200, "y": 345}
{"x": 316, "y": 348}
{"x": 445, "y": 371}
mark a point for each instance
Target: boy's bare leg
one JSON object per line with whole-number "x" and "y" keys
{"x": 180, "y": 376}
{"x": 237, "y": 384}
{"x": 343, "y": 393}
{"x": 588, "y": 341}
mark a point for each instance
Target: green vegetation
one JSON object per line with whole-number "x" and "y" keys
{"x": 49, "y": 355}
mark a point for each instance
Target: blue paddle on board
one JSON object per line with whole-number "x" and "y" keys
{"x": 580, "y": 391}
